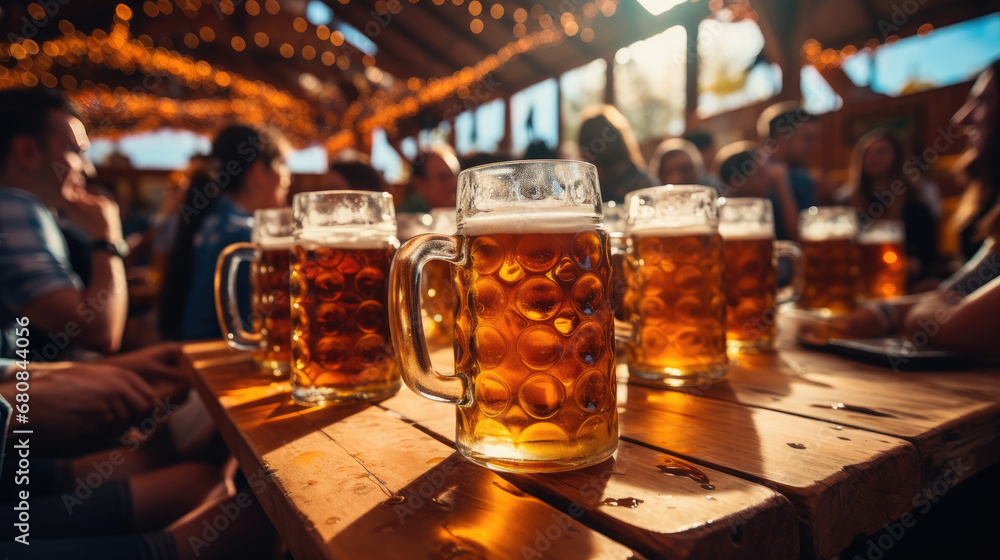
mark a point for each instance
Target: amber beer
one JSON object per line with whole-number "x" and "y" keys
{"x": 829, "y": 258}
{"x": 750, "y": 287}
{"x": 340, "y": 332}
{"x": 269, "y": 339}
{"x": 883, "y": 261}
{"x": 677, "y": 305}
{"x": 536, "y": 325}
{"x": 534, "y": 373}
{"x": 437, "y": 300}
{"x": 344, "y": 242}
{"x": 271, "y": 308}
{"x": 831, "y": 273}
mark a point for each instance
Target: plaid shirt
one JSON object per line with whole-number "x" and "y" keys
{"x": 34, "y": 262}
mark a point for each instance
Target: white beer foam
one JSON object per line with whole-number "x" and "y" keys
{"x": 748, "y": 231}
{"x": 827, "y": 232}
{"x": 878, "y": 237}
{"x": 543, "y": 222}
{"x": 274, "y": 244}
{"x": 667, "y": 229}
{"x": 347, "y": 237}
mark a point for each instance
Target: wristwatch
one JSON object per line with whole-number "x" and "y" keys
{"x": 119, "y": 249}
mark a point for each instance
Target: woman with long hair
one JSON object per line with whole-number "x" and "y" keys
{"x": 607, "y": 141}
{"x": 881, "y": 190}
{"x": 963, "y": 313}
{"x": 246, "y": 172}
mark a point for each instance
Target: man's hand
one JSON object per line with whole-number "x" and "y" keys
{"x": 159, "y": 365}
{"x": 97, "y": 215}
{"x": 864, "y": 322}
{"x": 85, "y": 399}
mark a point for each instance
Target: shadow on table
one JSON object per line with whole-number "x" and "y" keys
{"x": 459, "y": 510}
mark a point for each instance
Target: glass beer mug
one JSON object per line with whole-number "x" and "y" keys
{"x": 882, "y": 254}
{"x": 534, "y": 329}
{"x": 343, "y": 246}
{"x": 270, "y": 337}
{"x": 676, "y": 301}
{"x": 751, "y": 256}
{"x": 830, "y": 258}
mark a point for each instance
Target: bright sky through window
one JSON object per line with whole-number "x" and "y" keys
{"x": 946, "y": 56}
{"x": 173, "y": 149}
{"x": 657, "y": 7}
{"x": 538, "y": 104}
{"x": 732, "y": 72}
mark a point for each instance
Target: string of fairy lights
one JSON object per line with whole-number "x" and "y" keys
{"x": 830, "y": 58}
{"x": 118, "y": 110}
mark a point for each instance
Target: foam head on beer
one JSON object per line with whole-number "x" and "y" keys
{"x": 521, "y": 190}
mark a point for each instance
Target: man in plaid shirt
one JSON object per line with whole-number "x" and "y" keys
{"x": 43, "y": 166}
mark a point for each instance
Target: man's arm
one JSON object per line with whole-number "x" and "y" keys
{"x": 99, "y": 312}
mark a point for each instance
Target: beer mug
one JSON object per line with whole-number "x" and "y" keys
{"x": 534, "y": 331}
{"x": 270, "y": 337}
{"x": 676, "y": 299}
{"x": 343, "y": 245}
{"x": 751, "y": 256}
{"x": 830, "y": 258}
{"x": 882, "y": 253}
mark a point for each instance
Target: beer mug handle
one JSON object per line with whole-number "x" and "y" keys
{"x": 406, "y": 324}
{"x": 793, "y": 252}
{"x": 226, "y": 305}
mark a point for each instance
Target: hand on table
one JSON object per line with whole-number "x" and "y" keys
{"x": 159, "y": 365}
{"x": 86, "y": 398}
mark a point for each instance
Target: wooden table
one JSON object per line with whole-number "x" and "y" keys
{"x": 795, "y": 455}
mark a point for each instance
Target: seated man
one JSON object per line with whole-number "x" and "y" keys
{"x": 43, "y": 165}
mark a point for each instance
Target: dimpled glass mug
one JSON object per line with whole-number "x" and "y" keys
{"x": 270, "y": 339}
{"x": 676, "y": 299}
{"x": 343, "y": 246}
{"x": 752, "y": 253}
{"x": 534, "y": 328}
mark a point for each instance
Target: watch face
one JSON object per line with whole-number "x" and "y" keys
{"x": 122, "y": 247}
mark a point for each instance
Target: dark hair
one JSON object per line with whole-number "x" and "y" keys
{"x": 360, "y": 176}
{"x": 234, "y": 152}
{"x": 780, "y": 118}
{"x": 606, "y": 138}
{"x": 861, "y": 187}
{"x": 418, "y": 167}
{"x": 26, "y": 111}
{"x": 700, "y": 138}
{"x": 482, "y": 158}
{"x": 538, "y": 149}
{"x": 989, "y": 165}
{"x": 737, "y": 165}
{"x": 979, "y": 207}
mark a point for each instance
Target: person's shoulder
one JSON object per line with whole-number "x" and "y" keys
{"x": 23, "y": 217}
{"x": 17, "y": 204}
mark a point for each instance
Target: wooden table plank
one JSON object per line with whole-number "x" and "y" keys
{"x": 841, "y": 481}
{"x": 944, "y": 425}
{"x": 706, "y": 515}
{"x": 356, "y": 482}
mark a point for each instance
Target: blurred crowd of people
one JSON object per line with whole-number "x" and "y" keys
{"x": 63, "y": 251}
